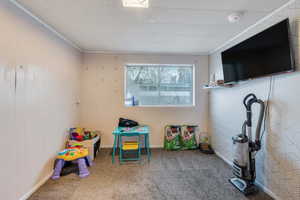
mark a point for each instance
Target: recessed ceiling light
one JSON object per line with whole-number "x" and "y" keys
{"x": 235, "y": 17}
{"x": 136, "y": 3}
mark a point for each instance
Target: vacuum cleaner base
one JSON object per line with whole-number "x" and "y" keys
{"x": 243, "y": 186}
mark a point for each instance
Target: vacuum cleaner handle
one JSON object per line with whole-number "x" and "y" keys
{"x": 246, "y": 99}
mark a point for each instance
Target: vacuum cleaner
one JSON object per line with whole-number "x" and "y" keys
{"x": 245, "y": 149}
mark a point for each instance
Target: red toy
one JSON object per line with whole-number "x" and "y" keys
{"x": 79, "y": 138}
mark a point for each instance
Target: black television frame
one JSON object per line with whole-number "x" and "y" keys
{"x": 292, "y": 57}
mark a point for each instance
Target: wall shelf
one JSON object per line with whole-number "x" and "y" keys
{"x": 217, "y": 86}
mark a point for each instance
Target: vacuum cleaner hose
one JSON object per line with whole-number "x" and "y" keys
{"x": 260, "y": 120}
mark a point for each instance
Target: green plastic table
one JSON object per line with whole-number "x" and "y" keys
{"x": 141, "y": 130}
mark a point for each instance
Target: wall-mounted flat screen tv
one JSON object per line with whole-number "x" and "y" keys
{"x": 266, "y": 53}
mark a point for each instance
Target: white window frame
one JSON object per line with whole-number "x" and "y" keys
{"x": 168, "y": 105}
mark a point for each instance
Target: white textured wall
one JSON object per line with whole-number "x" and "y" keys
{"x": 102, "y": 96}
{"x": 36, "y": 112}
{"x": 278, "y": 163}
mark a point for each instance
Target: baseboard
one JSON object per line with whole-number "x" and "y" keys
{"x": 265, "y": 189}
{"x": 36, "y": 187}
{"x": 223, "y": 158}
{"x": 105, "y": 146}
{"x": 152, "y": 146}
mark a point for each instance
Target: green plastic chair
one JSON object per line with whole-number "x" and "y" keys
{"x": 129, "y": 147}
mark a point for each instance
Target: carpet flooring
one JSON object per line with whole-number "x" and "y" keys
{"x": 180, "y": 175}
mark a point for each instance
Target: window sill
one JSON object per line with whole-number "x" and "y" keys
{"x": 162, "y": 106}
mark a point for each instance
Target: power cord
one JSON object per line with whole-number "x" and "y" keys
{"x": 267, "y": 109}
{"x": 267, "y": 113}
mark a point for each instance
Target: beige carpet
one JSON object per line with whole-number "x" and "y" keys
{"x": 182, "y": 175}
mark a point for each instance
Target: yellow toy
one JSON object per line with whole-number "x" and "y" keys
{"x": 130, "y": 145}
{"x": 73, "y": 153}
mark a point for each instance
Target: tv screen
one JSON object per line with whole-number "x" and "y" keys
{"x": 265, "y": 53}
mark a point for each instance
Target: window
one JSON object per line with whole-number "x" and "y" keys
{"x": 159, "y": 85}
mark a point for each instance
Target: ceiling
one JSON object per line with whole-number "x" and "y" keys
{"x": 167, "y": 26}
